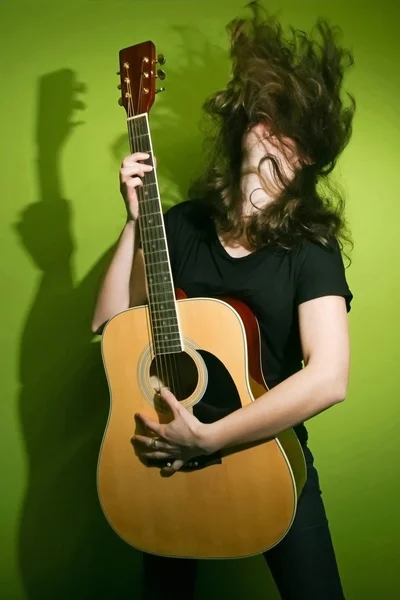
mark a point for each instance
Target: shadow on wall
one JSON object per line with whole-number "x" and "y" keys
{"x": 66, "y": 548}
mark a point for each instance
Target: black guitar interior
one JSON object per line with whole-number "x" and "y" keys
{"x": 179, "y": 373}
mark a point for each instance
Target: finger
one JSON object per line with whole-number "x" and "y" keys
{"x": 157, "y": 455}
{"x": 136, "y": 167}
{"x": 134, "y": 170}
{"x": 134, "y": 182}
{"x": 135, "y": 157}
{"x": 170, "y": 400}
{"x": 151, "y": 425}
{"x": 173, "y": 467}
{"x": 147, "y": 442}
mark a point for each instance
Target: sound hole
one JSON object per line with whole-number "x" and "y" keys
{"x": 177, "y": 371}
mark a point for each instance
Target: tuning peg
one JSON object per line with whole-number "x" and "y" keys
{"x": 119, "y": 87}
{"x": 161, "y": 59}
{"x": 160, "y": 90}
{"x": 118, "y": 72}
{"x": 120, "y": 102}
{"x": 161, "y": 74}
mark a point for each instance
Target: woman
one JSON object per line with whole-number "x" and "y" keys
{"x": 257, "y": 227}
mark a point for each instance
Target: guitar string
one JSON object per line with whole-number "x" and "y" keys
{"x": 169, "y": 357}
{"x": 168, "y": 375}
{"x": 157, "y": 284}
{"x": 172, "y": 372}
{"x": 159, "y": 359}
{"x": 134, "y": 139}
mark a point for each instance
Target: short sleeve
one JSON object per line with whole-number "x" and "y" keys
{"x": 320, "y": 272}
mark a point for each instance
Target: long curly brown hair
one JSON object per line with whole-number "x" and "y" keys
{"x": 292, "y": 84}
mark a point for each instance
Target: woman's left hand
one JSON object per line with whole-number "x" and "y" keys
{"x": 176, "y": 442}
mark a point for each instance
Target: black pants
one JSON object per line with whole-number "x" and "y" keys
{"x": 303, "y": 565}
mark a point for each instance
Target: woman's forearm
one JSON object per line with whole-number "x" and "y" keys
{"x": 114, "y": 294}
{"x": 298, "y": 398}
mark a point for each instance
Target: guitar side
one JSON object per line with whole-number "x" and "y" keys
{"x": 288, "y": 439}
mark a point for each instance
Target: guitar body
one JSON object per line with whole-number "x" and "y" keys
{"x": 237, "y": 503}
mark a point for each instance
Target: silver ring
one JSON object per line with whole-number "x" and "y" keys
{"x": 153, "y": 444}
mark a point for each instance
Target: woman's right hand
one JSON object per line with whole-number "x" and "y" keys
{"x": 130, "y": 176}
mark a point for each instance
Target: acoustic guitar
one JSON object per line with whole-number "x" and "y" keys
{"x": 237, "y": 502}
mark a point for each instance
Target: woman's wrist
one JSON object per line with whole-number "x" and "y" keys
{"x": 208, "y": 439}
{"x": 130, "y": 221}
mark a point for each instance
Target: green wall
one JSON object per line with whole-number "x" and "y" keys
{"x": 60, "y": 215}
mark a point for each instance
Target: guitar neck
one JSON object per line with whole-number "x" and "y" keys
{"x": 161, "y": 295}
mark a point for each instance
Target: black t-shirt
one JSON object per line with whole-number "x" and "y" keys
{"x": 271, "y": 282}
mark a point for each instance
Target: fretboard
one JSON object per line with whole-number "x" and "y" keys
{"x": 162, "y": 305}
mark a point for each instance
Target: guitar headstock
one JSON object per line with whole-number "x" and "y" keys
{"x": 138, "y": 72}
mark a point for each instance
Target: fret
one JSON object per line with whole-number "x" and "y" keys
{"x": 163, "y": 302}
{"x": 150, "y": 183}
{"x": 153, "y": 261}
{"x": 167, "y": 340}
{"x": 148, "y": 227}
{"x": 160, "y": 342}
{"x": 164, "y": 298}
{"x": 151, "y": 214}
{"x": 150, "y": 252}
{"x": 163, "y": 319}
{"x": 160, "y": 326}
{"x": 158, "y": 253}
{"x": 175, "y": 350}
{"x": 166, "y": 336}
{"x": 161, "y": 239}
{"x": 166, "y": 343}
{"x": 159, "y": 274}
{"x": 151, "y": 280}
{"x": 153, "y": 242}
{"x": 147, "y": 199}
{"x": 162, "y": 323}
{"x": 161, "y": 262}
{"x": 167, "y": 349}
{"x": 163, "y": 283}
{"x": 160, "y": 312}
{"x": 168, "y": 291}
{"x": 160, "y": 316}
{"x": 169, "y": 294}
{"x": 161, "y": 253}
{"x": 149, "y": 239}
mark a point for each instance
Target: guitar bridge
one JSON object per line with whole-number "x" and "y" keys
{"x": 200, "y": 462}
